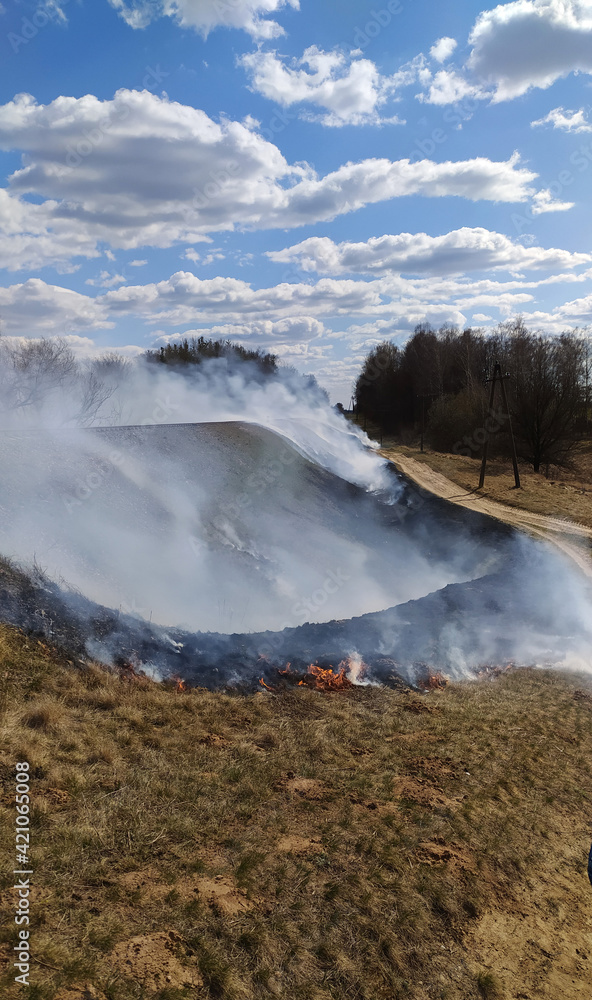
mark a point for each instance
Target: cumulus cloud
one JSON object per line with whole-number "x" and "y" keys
{"x": 276, "y": 335}
{"x": 107, "y": 280}
{"x": 356, "y": 184}
{"x": 198, "y": 177}
{"x": 350, "y": 89}
{"x": 186, "y": 299}
{"x": 198, "y": 258}
{"x": 282, "y": 317}
{"x": 34, "y": 309}
{"x": 35, "y": 236}
{"x": 544, "y": 201}
{"x": 443, "y": 49}
{"x": 531, "y": 43}
{"x": 574, "y": 313}
{"x": 205, "y": 15}
{"x": 461, "y": 251}
{"x": 448, "y": 87}
{"x": 568, "y": 121}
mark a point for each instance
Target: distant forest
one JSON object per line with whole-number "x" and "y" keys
{"x": 438, "y": 382}
{"x": 198, "y": 349}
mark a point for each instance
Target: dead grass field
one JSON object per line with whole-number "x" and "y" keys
{"x": 372, "y": 845}
{"x": 567, "y": 493}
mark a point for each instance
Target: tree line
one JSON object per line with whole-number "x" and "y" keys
{"x": 43, "y": 379}
{"x": 438, "y": 382}
{"x": 198, "y": 349}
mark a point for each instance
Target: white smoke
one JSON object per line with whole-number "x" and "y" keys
{"x": 222, "y": 526}
{"x": 217, "y": 391}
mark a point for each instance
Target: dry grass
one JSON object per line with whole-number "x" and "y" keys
{"x": 566, "y": 493}
{"x": 299, "y": 846}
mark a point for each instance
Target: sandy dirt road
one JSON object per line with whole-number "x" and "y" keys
{"x": 574, "y": 540}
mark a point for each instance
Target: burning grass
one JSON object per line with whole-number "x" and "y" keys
{"x": 348, "y": 674}
{"x": 376, "y": 845}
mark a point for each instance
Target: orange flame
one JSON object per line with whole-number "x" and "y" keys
{"x": 433, "y": 682}
{"x": 181, "y": 685}
{"x": 348, "y": 675}
{"x": 327, "y": 680}
{"x": 266, "y": 686}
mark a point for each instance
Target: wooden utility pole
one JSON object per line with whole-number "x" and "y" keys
{"x": 498, "y": 377}
{"x": 422, "y": 422}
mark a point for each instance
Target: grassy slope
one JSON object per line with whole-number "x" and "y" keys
{"x": 371, "y": 845}
{"x": 567, "y": 492}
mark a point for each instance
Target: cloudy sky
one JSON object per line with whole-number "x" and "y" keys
{"x": 307, "y": 176}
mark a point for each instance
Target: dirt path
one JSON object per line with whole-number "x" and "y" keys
{"x": 574, "y": 540}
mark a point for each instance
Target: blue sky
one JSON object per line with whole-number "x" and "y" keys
{"x": 311, "y": 177}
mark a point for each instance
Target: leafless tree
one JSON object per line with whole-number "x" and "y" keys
{"x": 43, "y": 376}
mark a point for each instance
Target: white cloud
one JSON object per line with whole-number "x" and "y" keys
{"x": 138, "y": 263}
{"x": 350, "y": 90}
{"x": 448, "y": 87}
{"x": 107, "y": 280}
{"x": 197, "y": 258}
{"x": 185, "y": 299}
{"x": 544, "y": 201}
{"x": 205, "y": 15}
{"x": 34, "y": 309}
{"x": 34, "y": 236}
{"x": 198, "y": 177}
{"x": 282, "y": 317}
{"x": 568, "y": 121}
{"x": 531, "y": 43}
{"x": 443, "y": 49}
{"x": 286, "y": 333}
{"x": 461, "y": 251}
{"x": 356, "y": 184}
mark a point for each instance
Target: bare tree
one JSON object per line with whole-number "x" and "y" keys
{"x": 43, "y": 377}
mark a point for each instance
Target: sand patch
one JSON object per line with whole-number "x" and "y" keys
{"x": 224, "y": 897}
{"x": 299, "y": 845}
{"x": 153, "y": 961}
{"x": 437, "y": 851}
{"x": 79, "y": 993}
{"x": 148, "y": 882}
{"x": 307, "y": 788}
{"x": 421, "y": 792}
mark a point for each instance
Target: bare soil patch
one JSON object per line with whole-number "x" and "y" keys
{"x": 152, "y": 961}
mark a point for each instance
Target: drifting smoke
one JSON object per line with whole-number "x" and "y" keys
{"x": 219, "y": 500}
